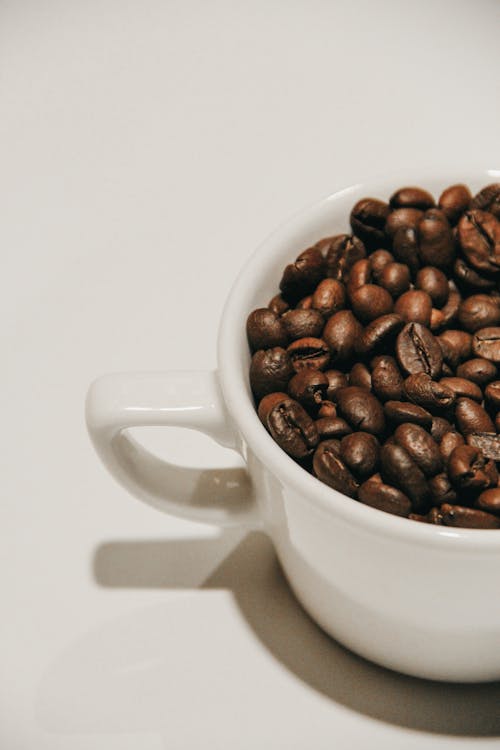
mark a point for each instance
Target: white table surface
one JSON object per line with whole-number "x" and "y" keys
{"x": 146, "y": 148}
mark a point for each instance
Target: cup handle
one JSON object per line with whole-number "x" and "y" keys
{"x": 117, "y": 402}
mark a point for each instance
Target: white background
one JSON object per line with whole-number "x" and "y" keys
{"x": 146, "y": 148}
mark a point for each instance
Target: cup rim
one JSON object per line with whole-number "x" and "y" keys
{"x": 242, "y": 410}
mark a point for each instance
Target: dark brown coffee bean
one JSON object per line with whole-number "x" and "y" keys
{"x": 370, "y": 302}
{"x": 411, "y": 197}
{"x": 384, "y": 497}
{"x": 418, "y": 351}
{"x": 479, "y": 370}
{"x": 405, "y": 247}
{"x": 479, "y": 311}
{"x": 414, "y": 307}
{"x": 437, "y": 319}
{"x": 336, "y": 380}
{"x": 341, "y": 333}
{"x": 470, "y": 280}
{"x": 435, "y": 516}
{"x": 265, "y": 330}
{"x": 360, "y": 375}
{"x": 379, "y": 260}
{"x": 436, "y": 246}
{"x": 300, "y": 324}
{"x": 368, "y": 219}
{"x": 292, "y": 428}
{"x": 329, "y": 297}
{"x": 341, "y": 253}
{"x": 456, "y": 346}
{"x": 305, "y": 303}
{"x": 471, "y": 417}
{"x": 269, "y": 402}
{"x": 488, "y": 199}
{"x": 486, "y": 344}
{"x": 422, "y": 390}
{"x": 441, "y": 490}
{"x": 309, "y": 352}
{"x": 270, "y": 370}
{"x": 402, "y": 217}
{"x": 468, "y": 518}
{"x": 360, "y": 452}
{"x": 449, "y": 442}
{"x": 450, "y": 310}
{"x": 468, "y": 469}
{"x": 278, "y": 305}
{"x": 399, "y": 470}
{"x": 301, "y": 277}
{"x": 454, "y": 201}
{"x": 332, "y": 427}
{"x": 359, "y": 275}
{"x": 420, "y": 446}
{"x": 361, "y": 409}
{"x": 439, "y": 427}
{"x": 386, "y": 378}
{"x": 462, "y": 387}
{"x": 418, "y": 517}
{"x": 395, "y": 277}
{"x": 330, "y": 469}
{"x": 487, "y": 442}
{"x": 489, "y": 501}
{"x": 497, "y": 422}
{"x": 479, "y": 238}
{"x": 309, "y": 387}
{"x": 379, "y": 334}
{"x": 400, "y": 412}
{"x": 433, "y": 281}
{"x": 492, "y": 393}
{"x": 327, "y": 409}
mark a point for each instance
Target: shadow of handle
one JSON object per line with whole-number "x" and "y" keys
{"x": 117, "y": 402}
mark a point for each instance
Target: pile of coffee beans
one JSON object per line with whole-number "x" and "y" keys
{"x": 376, "y": 366}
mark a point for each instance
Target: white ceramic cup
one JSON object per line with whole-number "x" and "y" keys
{"x": 420, "y": 599}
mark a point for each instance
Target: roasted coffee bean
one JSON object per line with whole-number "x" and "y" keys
{"x": 487, "y": 442}
{"x": 329, "y": 297}
{"x": 370, "y": 302}
{"x": 300, "y": 324}
{"x": 379, "y": 334}
{"x": 471, "y": 417}
{"x": 479, "y": 370}
{"x": 327, "y": 409}
{"x": 309, "y": 352}
{"x": 454, "y": 201}
{"x": 450, "y": 310}
{"x": 433, "y": 281}
{"x": 341, "y": 333}
{"x": 384, "y": 497}
{"x": 422, "y": 390}
{"x": 305, "y": 303}
{"x": 309, "y": 387}
{"x": 405, "y": 247}
{"x": 265, "y": 329}
{"x": 418, "y": 517}
{"x": 368, "y": 219}
{"x": 341, "y": 253}
{"x": 360, "y": 452}
{"x": 336, "y": 380}
{"x": 332, "y": 427}
{"x": 395, "y": 277}
{"x": 437, "y": 318}
{"x": 301, "y": 277}
{"x": 402, "y": 217}
{"x": 489, "y": 501}
{"x": 488, "y": 199}
{"x": 414, "y": 306}
{"x": 360, "y": 375}
{"x": 411, "y": 197}
{"x": 441, "y": 489}
{"x": 436, "y": 246}
{"x": 330, "y": 469}
{"x": 497, "y": 422}
{"x": 462, "y": 387}
{"x": 479, "y": 311}
{"x": 386, "y": 378}
{"x": 269, "y": 402}
{"x": 479, "y": 239}
{"x": 418, "y": 351}
{"x": 486, "y": 344}
{"x": 492, "y": 393}
{"x": 439, "y": 427}
{"x": 379, "y": 260}
{"x": 270, "y": 370}
{"x": 420, "y": 446}
{"x": 456, "y": 346}
{"x": 470, "y": 280}
{"x": 292, "y": 428}
{"x": 468, "y": 518}
{"x": 360, "y": 274}
{"x": 449, "y": 442}
{"x": 278, "y": 305}
{"x": 468, "y": 469}
{"x": 401, "y": 471}
{"x": 400, "y": 412}
{"x": 435, "y": 516}
{"x": 361, "y": 409}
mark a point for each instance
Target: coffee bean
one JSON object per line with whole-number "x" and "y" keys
{"x": 327, "y": 409}
{"x": 449, "y": 442}
{"x": 420, "y": 446}
{"x": 336, "y": 380}
{"x": 265, "y": 329}
{"x": 489, "y": 501}
{"x": 305, "y": 303}
{"x": 468, "y": 469}
{"x": 479, "y": 370}
{"x": 433, "y": 281}
{"x": 492, "y": 393}
{"x": 368, "y": 218}
{"x": 386, "y": 378}
{"x": 436, "y": 246}
{"x": 399, "y": 470}
{"x": 270, "y": 370}
{"x": 471, "y": 417}
{"x": 497, "y": 422}
{"x": 468, "y": 518}
{"x": 418, "y": 351}
{"x": 487, "y": 442}
{"x": 454, "y": 201}
{"x": 456, "y": 346}
{"x": 379, "y": 334}
{"x": 384, "y": 497}
{"x": 292, "y": 428}
{"x": 425, "y": 392}
{"x": 332, "y": 427}
{"x": 301, "y": 277}
{"x": 479, "y": 239}
{"x": 402, "y": 218}
{"x": 435, "y": 516}
{"x": 470, "y": 280}
{"x": 400, "y": 412}
{"x": 309, "y": 387}
{"x": 361, "y": 409}
{"x": 269, "y": 402}
{"x": 462, "y": 387}
{"x": 379, "y": 260}
{"x": 437, "y": 318}
{"x": 488, "y": 199}
{"x": 360, "y": 375}
{"x": 450, "y": 310}
{"x": 486, "y": 343}
{"x": 441, "y": 489}
{"x": 360, "y": 452}
{"x": 329, "y": 297}
{"x": 411, "y": 197}
{"x": 278, "y": 305}
{"x": 414, "y": 307}
{"x": 395, "y": 277}
{"x": 370, "y": 302}
{"x": 405, "y": 247}
{"x": 309, "y": 352}
{"x": 439, "y": 427}
{"x": 330, "y": 469}
{"x": 341, "y": 253}
{"x": 341, "y": 333}
{"x": 360, "y": 274}
{"x": 300, "y": 324}
{"x": 479, "y": 311}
